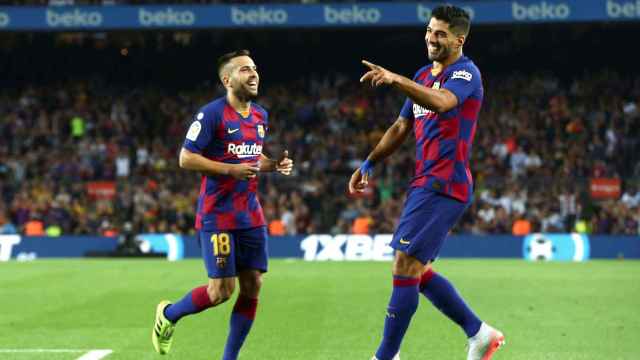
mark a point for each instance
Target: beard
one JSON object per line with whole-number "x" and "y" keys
{"x": 243, "y": 93}
{"x": 442, "y": 54}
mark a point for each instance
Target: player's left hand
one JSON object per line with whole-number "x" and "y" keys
{"x": 378, "y": 75}
{"x": 284, "y": 165}
{"x": 358, "y": 182}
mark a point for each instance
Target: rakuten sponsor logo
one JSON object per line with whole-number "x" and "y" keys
{"x": 258, "y": 16}
{"x": 353, "y": 15}
{"x": 75, "y": 18}
{"x": 424, "y": 12}
{"x": 4, "y": 19}
{"x": 244, "y": 150}
{"x": 623, "y": 9}
{"x": 540, "y": 11}
{"x": 166, "y": 17}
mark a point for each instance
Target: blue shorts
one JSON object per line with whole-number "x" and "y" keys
{"x": 227, "y": 252}
{"x": 426, "y": 220}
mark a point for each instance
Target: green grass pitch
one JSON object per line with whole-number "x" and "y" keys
{"x": 322, "y": 310}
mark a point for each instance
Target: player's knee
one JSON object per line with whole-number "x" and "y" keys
{"x": 221, "y": 292}
{"x": 250, "y": 284}
{"x": 406, "y": 265}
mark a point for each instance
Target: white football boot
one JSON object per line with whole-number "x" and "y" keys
{"x": 485, "y": 343}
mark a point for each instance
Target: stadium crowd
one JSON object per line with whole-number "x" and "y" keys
{"x": 532, "y": 159}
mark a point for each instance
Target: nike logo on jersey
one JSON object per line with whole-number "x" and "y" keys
{"x": 404, "y": 242}
{"x": 231, "y": 131}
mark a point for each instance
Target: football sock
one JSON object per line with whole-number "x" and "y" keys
{"x": 194, "y": 302}
{"x": 402, "y": 306}
{"x": 244, "y": 311}
{"x": 444, "y": 296}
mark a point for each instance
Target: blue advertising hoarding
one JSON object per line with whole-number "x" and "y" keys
{"x": 270, "y": 15}
{"x": 343, "y": 247}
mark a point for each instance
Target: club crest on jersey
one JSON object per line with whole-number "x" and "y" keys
{"x": 421, "y": 111}
{"x": 221, "y": 262}
{"x": 244, "y": 150}
{"x": 261, "y": 131}
{"x": 462, "y": 74}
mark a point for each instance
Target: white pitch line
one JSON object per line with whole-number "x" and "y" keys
{"x": 90, "y": 355}
{"x": 95, "y": 355}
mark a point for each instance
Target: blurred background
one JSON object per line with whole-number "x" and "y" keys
{"x": 95, "y": 101}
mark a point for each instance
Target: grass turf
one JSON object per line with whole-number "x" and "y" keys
{"x": 321, "y": 310}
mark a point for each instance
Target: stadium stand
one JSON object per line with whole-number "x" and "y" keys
{"x": 96, "y": 146}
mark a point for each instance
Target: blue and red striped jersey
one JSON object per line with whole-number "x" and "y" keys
{"x": 444, "y": 140}
{"x": 220, "y": 133}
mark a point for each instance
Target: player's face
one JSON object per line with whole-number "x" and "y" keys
{"x": 440, "y": 40}
{"x": 244, "y": 78}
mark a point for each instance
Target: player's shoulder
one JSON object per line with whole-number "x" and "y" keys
{"x": 422, "y": 72}
{"x": 261, "y": 111}
{"x": 211, "y": 110}
{"x": 216, "y": 105}
{"x": 464, "y": 69}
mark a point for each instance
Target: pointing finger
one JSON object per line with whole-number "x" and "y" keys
{"x": 372, "y": 66}
{"x": 367, "y": 75}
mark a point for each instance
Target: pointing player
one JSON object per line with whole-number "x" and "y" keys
{"x": 442, "y": 108}
{"x": 224, "y": 143}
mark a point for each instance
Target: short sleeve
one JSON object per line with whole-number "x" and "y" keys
{"x": 463, "y": 82}
{"x": 407, "y": 110}
{"x": 200, "y": 133}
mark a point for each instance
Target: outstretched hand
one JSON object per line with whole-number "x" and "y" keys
{"x": 378, "y": 75}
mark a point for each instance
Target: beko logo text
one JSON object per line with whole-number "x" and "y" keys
{"x": 167, "y": 17}
{"x": 258, "y": 16}
{"x": 353, "y": 15}
{"x": 74, "y": 18}
{"x": 628, "y": 10}
{"x": 540, "y": 11}
{"x": 4, "y": 19}
{"x": 424, "y": 12}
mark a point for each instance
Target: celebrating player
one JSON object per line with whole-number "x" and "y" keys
{"x": 224, "y": 143}
{"x": 443, "y": 103}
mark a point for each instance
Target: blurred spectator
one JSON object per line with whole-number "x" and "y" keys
{"x": 631, "y": 197}
{"x": 362, "y": 224}
{"x": 6, "y": 227}
{"x": 521, "y": 227}
{"x": 532, "y": 159}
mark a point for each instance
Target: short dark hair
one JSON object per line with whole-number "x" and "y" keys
{"x": 224, "y": 59}
{"x": 457, "y": 18}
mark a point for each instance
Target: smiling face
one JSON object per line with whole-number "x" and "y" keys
{"x": 240, "y": 76}
{"x": 442, "y": 43}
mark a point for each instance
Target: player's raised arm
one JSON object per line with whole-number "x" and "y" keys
{"x": 437, "y": 100}
{"x": 390, "y": 142}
